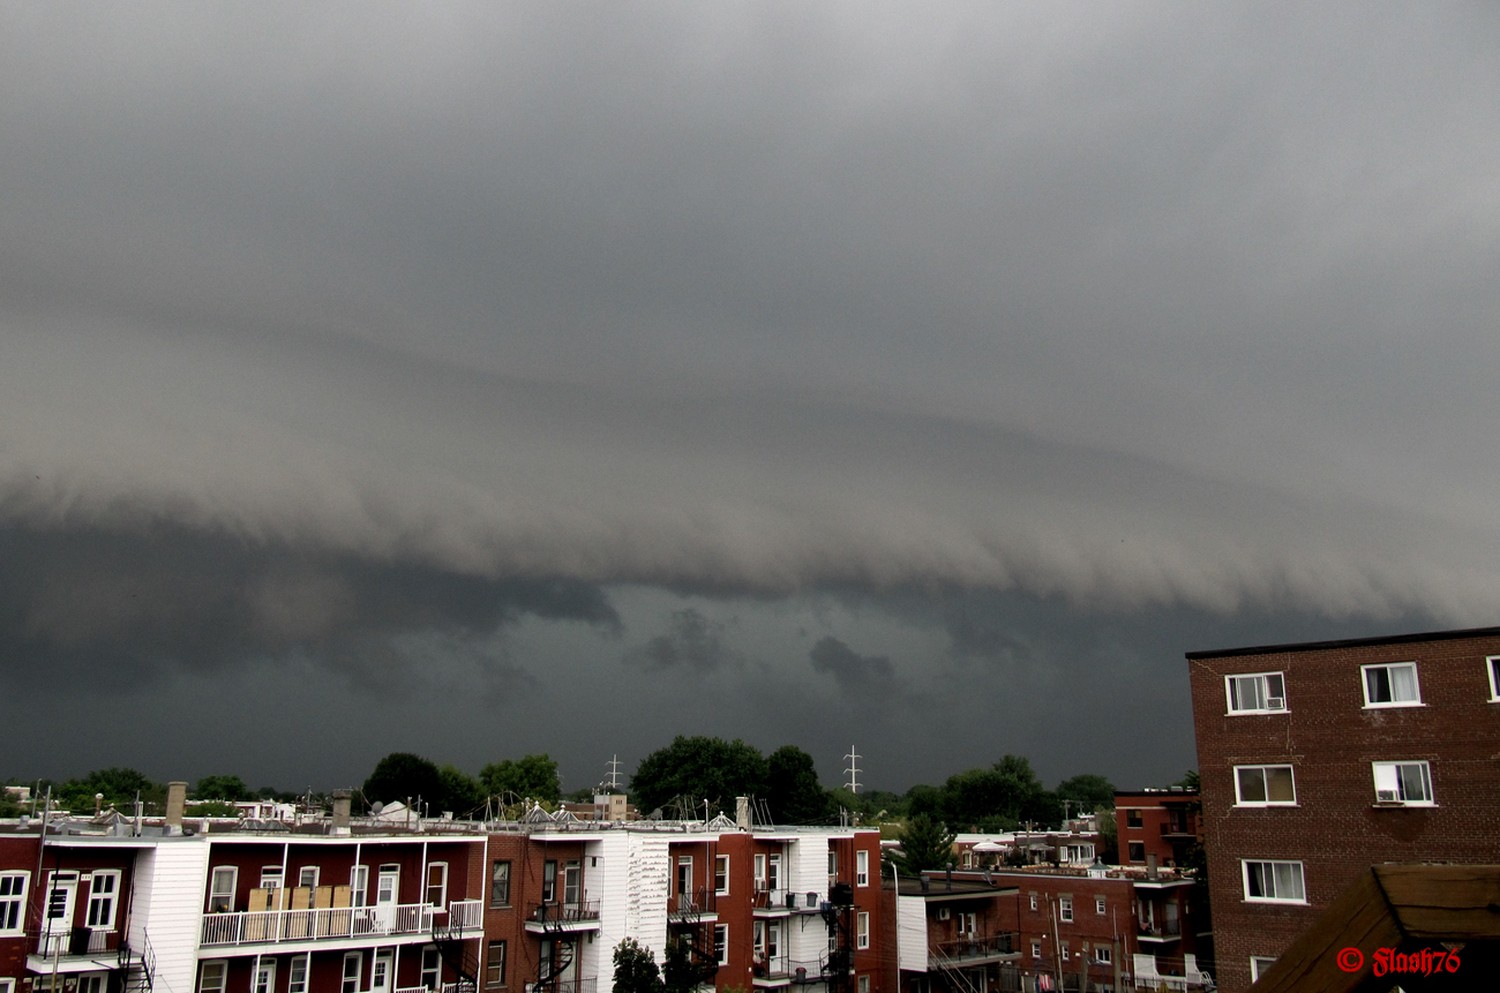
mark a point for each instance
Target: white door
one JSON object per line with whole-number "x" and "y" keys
{"x": 57, "y": 928}
{"x": 380, "y": 973}
{"x": 387, "y": 893}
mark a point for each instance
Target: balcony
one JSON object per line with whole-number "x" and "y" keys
{"x": 590, "y": 985}
{"x": 977, "y": 950}
{"x": 544, "y": 918}
{"x": 260, "y": 927}
{"x": 694, "y": 907}
{"x": 79, "y": 949}
{"x": 1163, "y": 931}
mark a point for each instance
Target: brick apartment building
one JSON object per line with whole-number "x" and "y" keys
{"x": 1100, "y": 929}
{"x": 1319, "y": 760}
{"x": 1160, "y": 826}
{"x": 340, "y": 905}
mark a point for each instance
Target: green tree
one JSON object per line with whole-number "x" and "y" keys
{"x": 229, "y": 788}
{"x": 402, "y": 776}
{"x": 925, "y": 844}
{"x": 700, "y": 768}
{"x": 1189, "y": 780}
{"x": 1089, "y": 792}
{"x": 532, "y": 776}
{"x": 682, "y": 972}
{"x": 462, "y": 793}
{"x": 635, "y": 969}
{"x": 211, "y": 808}
{"x": 119, "y": 787}
{"x": 792, "y": 790}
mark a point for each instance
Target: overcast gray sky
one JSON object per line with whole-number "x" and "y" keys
{"x": 487, "y": 379}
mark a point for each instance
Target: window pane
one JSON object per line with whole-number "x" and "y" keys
{"x": 1279, "y": 784}
{"x": 1404, "y": 682}
{"x": 1252, "y": 785}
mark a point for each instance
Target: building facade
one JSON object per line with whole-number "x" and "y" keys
{"x": 344, "y": 906}
{"x": 1320, "y": 760}
{"x": 1157, "y": 826}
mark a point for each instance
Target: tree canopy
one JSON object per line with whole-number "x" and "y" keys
{"x": 792, "y": 790}
{"x": 635, "y": 968}
{"x": 404, "y": 776}
{"x": 925, "y": 844}
{"x": 228, "y": 788}
{"x": 1090, "y": 792}
{"x": 533, "y": 776}
{"x": 701, "y": 768}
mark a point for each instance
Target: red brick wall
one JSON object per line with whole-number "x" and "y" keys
{"x": 1330, "y": 739}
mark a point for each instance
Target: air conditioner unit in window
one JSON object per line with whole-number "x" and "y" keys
{"x": 1275, "y": 703}
{"x": 944, "y": 913}
{"x": 1387, "y": 796}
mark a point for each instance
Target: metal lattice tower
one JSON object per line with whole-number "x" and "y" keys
{"x": 852, "y": 771}
{"x": 614, "y": 773}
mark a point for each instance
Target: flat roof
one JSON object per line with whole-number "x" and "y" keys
{"x": 1313, "y": 646}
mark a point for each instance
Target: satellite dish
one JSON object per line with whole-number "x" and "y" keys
{"x": 377, "y": 807}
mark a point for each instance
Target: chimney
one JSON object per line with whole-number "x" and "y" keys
{"x": 742, "y": 812}
{"x": 176, "y": 804}
{"x": 341, "y": 812}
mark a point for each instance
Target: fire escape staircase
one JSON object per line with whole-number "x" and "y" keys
{"x": 696, "y": 936}
{"x": 549, "y": 973}
{"x": 134, "y": 972}
{"x": 958, "y": 977}
{"x": 458, "y": 951}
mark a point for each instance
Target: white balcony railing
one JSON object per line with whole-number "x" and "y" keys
{"x": 326, "y": 923}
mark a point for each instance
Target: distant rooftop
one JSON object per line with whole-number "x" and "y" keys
{"x": 1314, "y": 646}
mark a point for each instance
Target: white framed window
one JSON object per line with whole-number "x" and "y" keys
{"x": 773, "y": 871}
{"x": 760, "y": 872}
{"x": 221, "y": 889}
{"x": 1273, "y": 881}
{"x": 862, "y": 868}
{"x": 1492, "y": 669}
{"x": 1036, "y": 948}
{"x": 1408, "y": 783}
{"x": 432, "y": 967}
{"x": 721, "y": 944}
{"x": 265, "y": 976}
{"x": 297, "y": 979}
{"x": 213, "y": 976}
{"x": 494, "y": 965}
{"x": 1255, "y": 692}
{"x": 833, "y": 866}
{"x": 437, "y": 884}
{"x": 1033, "y": 901}
{"x": 307, "y": 877}
{"x": 1064, "y": 951}
{"x": 1259, "y": 964}
{"x": 359, "y": 885}
{"x": 864, "y": 984}
{"x": 1103, "y": 955}
{"x": 1099, "y": 905}
{"x": 91, "y": 982}
{"x": 270, "y": 877}
{"x": 500, "y": 884}
{"x": 1065, "y": 909}
{"x": 721, "y": 875}
{"x": 1264, "y": 786}
{"x": 352, "y": 965}
{"x": 862, "y": 930}
{"x": 7, "y": 985}
{"x": 549, "y": 880}
{"x": 1393, "y": 684}
{"x": 13, "y": 901}
{"x": 104, "y": 887}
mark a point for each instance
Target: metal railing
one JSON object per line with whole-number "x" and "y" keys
{"x": 74, "y": 941}
{"x": 464, "y": 915}
{"x": 564, "y": 913}
{"x": 1161, "y": 929}
{"x": 976, "y": 947}
{"x": 270, "y": 926}
{"x": 690, "y": 904}
{"x": 771, "y": 966}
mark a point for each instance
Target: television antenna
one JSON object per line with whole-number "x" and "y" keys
{"x": 852, "y": 771}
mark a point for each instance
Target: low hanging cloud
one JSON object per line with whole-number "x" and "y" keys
{"x": 853, "y": 672}
{"x": 693, "y": 642}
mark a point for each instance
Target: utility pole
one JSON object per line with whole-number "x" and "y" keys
{"x": 852, "y": 784}
{"x": 614, "y": 773}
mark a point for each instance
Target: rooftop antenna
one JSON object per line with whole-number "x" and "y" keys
{"x": 614, "y": 773}
{"x": 852, "y": 785}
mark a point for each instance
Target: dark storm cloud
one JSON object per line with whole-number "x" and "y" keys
{"x": 343, "y": 334}
{"x": 693, "y": 642}
{"x": 853, "y": 672}
{"x": 116, "y": 609}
